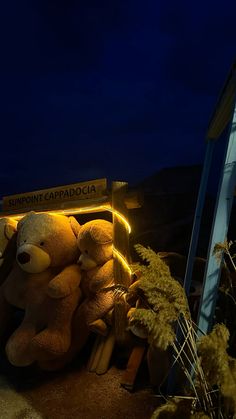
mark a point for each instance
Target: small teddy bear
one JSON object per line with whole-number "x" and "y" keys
{"x": 96, "y": 262}
{"x": 45, "y": 284}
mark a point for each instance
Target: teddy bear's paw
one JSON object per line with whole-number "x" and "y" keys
{"x": 18, "y": 346}
{"x": 99, "y": 327}
{"x": 52, "y": 342}
{"x": 18, "y": 356}
{"x": 54, "y": 291}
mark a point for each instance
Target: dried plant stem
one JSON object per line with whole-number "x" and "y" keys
{"x": 202, "y": 360}
{"x": 188, "y": 325}
{"x": 231, "y": 259}
{"x": 229, "y": 295}
{"x": 187, "y": 330}
{"x": 197, "y": 328}
{"x": 178, "y": 358}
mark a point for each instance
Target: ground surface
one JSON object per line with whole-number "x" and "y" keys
{"x": 72, "y": 393}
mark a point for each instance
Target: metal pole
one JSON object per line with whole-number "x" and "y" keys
{"x": 198, "y": 215}
{"x": 171, "y": 387}
{"x": 219, "y": 231}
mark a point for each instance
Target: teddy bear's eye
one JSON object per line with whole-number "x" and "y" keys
{"x": 41, "y": 243}
{"x": 86, "y": 252}
{"x": 24, "y": 241}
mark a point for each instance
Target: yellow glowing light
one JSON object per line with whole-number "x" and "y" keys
{"x": 100, "y": 208}
{"x": 73, "y": 211}
{"x": 122, "y": 259}
{"x": 97, "y": 208}
{"x": 121, "y": 218}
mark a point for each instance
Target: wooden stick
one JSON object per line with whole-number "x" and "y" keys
{"x": 133, "y": 365}
{"x": 121, "y": 243}
{"x": 96, "y": 353}
{"x": 105, "y": 357}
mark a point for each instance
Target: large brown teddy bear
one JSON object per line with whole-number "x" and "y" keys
{"x": 96, "y": 263}
{"x": 8, "y": 227}
{"x": 45, "y": 284}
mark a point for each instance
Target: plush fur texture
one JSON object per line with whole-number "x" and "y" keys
{"x": 95, "y": 244}
{"x": 45, "y": 284}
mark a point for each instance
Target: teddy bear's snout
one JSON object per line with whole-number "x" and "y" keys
{"x": 23, "y": 257}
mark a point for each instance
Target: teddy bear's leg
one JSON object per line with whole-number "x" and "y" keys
{"x": 80, "y": 334}
{"x": 51, "y": 341}
{"x": 96, "y": 309}
{"x": 80, "y": 328}
{"x": 55, "y": 339}
{"x": 79, "y": 338}
{"x": 101, "y": 306}
{"x": 18, "y": 345}
{"x": 87, "y": 312}
{"x": 103, "y": 326}
{"x": 99, "y": 327}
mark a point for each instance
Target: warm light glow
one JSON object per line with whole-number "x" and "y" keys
{"x": 100, "y": 208}
{"x": 72, "y": 211}
{"x": 121, "y": 218}
{"x": 122, "y": 259}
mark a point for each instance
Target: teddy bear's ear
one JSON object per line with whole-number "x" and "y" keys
{"x": 101, "y": 231}
{"x": 75, "y": 226}
{"x": 23, "y": 219}
{"x": 10, "y": 228}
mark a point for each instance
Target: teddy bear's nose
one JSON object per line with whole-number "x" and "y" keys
{"x": 23, "y": 257}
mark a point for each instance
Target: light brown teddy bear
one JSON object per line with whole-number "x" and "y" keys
{"x": 8, "y": 227}
{"x": 96, "y": 263}
{"x": 45, "y": 284}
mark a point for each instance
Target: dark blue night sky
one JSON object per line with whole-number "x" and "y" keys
{"x": 116, "y": 89}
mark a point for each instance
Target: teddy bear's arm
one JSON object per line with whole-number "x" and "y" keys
{"x": 102, "y": 277}
{"x": 65, "y": 282}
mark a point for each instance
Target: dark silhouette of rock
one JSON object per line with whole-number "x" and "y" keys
{"x": 165, "y": 220}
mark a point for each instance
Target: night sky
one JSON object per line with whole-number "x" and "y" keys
{"x": 108, "y": 88}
